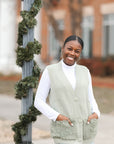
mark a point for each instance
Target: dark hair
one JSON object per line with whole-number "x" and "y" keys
{"x": 74, "y": 37}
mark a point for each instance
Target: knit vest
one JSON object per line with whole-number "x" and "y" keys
{"x": 71, "y": 103}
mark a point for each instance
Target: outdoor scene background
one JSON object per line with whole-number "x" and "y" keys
{"x": 93, "y": 20}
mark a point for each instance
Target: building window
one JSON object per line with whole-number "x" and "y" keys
{"x": 60, "y": 24}
{"x": 108, "y": 34}
{"x": 53, "y": 44}
{"x": 87, "y": 32}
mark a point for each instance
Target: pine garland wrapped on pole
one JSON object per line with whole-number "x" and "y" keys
{"x": 27, "y": 47}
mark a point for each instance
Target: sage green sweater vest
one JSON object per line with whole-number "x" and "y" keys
{"x": 72, "y": 103}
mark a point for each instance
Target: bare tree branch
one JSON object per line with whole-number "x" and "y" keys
{"x": 48, "y": 6}
{"x": 75, "y": 9}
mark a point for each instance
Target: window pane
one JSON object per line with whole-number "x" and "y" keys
{"x": 87, "y": 26}
{"x": 111, "y": 41}
{"x": 108, "y": 34}
{"x": 105, "y": 40}
{"x": 53, "y": 43}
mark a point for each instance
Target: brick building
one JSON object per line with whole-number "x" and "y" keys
{"x": 97, "y": 29}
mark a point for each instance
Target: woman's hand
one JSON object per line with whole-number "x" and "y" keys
{"x": 62, "y": 117}
{"x": 93, "y": 116}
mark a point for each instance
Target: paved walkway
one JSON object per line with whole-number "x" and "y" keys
{"x": 10, "y": 109}
{"x": 105, "y": 134}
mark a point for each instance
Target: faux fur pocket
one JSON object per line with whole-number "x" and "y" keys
{"x": 90, "y": 130}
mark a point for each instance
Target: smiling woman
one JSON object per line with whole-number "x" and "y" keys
{"x": 72, "y": 49}
{"x": 73, "y": 109}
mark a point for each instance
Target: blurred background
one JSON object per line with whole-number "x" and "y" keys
{"x": 93, "y": 20}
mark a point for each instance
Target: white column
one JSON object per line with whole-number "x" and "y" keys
{"x": 7, "y": 36}
{"x": 37, "y": 30}
{"x": 37, "y": 35}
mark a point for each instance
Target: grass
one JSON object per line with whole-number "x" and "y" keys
{"x": 7, "y": 87}
{"x": 103, "y": 96}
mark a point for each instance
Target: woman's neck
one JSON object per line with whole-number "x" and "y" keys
{"x": 67, "y": 66}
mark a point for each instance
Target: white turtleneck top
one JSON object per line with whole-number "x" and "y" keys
{"x": 44, "y": 87}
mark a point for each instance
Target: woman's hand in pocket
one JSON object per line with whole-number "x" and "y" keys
{"x": 62, "y": 118}
{"x": 93, "y": 116}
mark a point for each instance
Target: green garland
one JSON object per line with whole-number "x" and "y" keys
{"x": 27, "y": 54}
{"x": 28, "y": 20}
{"x": 20, "y": 128}
{"x": 22, "y": 87}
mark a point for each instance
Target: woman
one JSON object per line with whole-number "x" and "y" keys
{"x": 73, "y": 109}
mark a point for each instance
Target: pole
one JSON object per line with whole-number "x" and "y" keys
{"x": 27, "y": 71}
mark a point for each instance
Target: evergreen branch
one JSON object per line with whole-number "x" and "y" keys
{"x": 26, "y": 54}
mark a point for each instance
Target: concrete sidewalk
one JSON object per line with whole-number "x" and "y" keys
{"x": 10, "y": 109}
{"x": 40, "y": 141}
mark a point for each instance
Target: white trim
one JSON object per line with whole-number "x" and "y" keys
{"x": 107, "y": 8}
{"x": 88, "y": 11}
{"x": 59, "y": 14}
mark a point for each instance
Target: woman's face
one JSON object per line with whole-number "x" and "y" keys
{"x": 71, "y": 52}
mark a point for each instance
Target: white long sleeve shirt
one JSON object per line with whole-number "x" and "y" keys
{"x": 44, "y": 87}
